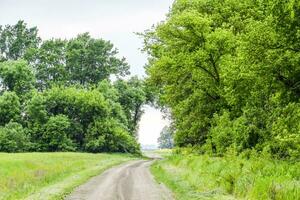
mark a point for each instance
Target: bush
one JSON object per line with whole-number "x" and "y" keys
{"x": 55, "y": 136}
{"x": 193, "y": 177}
{"x": 110, "y": 136}
{"x": 10, "y": 108}
{"x": 13, "y": 138}
{"x": 285, "y": 130}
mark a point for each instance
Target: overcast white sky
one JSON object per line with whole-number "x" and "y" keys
{"x": 114, "y": 20}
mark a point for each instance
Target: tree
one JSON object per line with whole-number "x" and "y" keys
{"x": 16, "y": 76}
{"x": 49, "y": 62}
{"x": 165, "y": 140}
{"x": 132, "y": 97}
{"x": 10, "y": 108}
{"x": 81, "y": 106}
{"x": 55, "y": 136}
{"x": 228, "y": 70}
{"x": 110, "y": 136}
{"x": 111, "y": 94}
{"x": 16, "y": 39}
{"x": 90, "y": 60}
{"x": 13, "y": 138}
{"x": 59, "y": 91}
{"x": 185, "y": 64}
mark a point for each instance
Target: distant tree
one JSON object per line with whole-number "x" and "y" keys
{"x": 165, "y": 140}
{"x": 13, "y": 138}
{"x": 10, "y": 108}
{"x": 111, "y": 94}
{"x": 55, "y": 136}
{"x": 90, "y": 60}
{"x": 109, "y": 135}
{"x": 35, "y": 109}
{"x": 16, "y": 76}
{"x": 132, "y": 97}
{"x": 49, "y": 62}
{"x": 16, "y": 39}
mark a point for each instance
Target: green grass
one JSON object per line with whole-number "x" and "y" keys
{"x": 193, "y": 177}
{"x": 50, "y": 175}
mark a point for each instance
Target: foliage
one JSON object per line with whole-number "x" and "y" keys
{"x": 91, "y": 60}
{"x": 55, "y": 135}
{"x": 16, "y": 39}
{"x": 109, "y": 135}
{"x": 81, "y": 118}
{"x": 229, "y": 177}
{"x": 60, "y": 92}
{"x": 10, "y": 108}
{"x": 49, "y": 61}
{"x": 132, "y": 97}
{"x": 165, "y": 140}
{"x": 228, "y": 71}
{"x": 13, "y": 138}
{"x": 16, "y": 76}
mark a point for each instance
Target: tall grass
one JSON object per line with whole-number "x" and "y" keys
{"x": 230, "y": 177}
{"x": 49, "y": 175}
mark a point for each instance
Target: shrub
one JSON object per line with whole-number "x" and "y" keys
{"x": 285, "y": 129}
{"x": 10, "y": 108}
{"x": 13, "y": 138}
{"x": 55, "y": 136}
{"x": 109, "y": 136}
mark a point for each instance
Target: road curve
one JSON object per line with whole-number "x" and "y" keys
{"x": 130, "y": 181}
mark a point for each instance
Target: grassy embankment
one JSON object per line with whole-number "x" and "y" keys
{"x": 50, "y": 175}
{"x": 193, "y": 177}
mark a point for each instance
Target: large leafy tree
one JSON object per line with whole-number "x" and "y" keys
{"x": 16, "y": 76}
{"x": 49, "y": 62}
{"x": 16, "y": 39}
{"x": 10, "y": 108}
{"x": 13, "y": 138}
{"x": 55, "y": 136}
{"x": 229, "y": 71}
{"x": 132, "y": 97}
{"x": 186, "y": 62}
{"x": 90, "y": 60}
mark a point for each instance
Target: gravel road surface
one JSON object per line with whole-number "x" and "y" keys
{"x": 130, "y": 181}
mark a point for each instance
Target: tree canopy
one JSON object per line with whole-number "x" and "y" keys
{"x": 228, "y": 71}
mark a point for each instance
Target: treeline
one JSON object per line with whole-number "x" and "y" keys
{"x": 56, "y": 95}
{"x": 229, "y": 72}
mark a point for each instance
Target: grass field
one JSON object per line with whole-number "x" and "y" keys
{"x": 50, "y": 175}
{"x": 193, "y": 177}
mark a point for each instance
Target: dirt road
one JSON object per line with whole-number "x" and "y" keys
{"x": 130, "y": 181}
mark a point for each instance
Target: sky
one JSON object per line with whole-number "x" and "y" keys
{"x": 113, "y": 20}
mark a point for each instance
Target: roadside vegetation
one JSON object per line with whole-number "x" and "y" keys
{"x": 50, "y": 175}
{"x": 252, "y": 176}
{"x": 227, "y": 74}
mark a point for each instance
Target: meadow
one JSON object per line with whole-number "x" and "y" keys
{"x": 50, "y": 175}
{"x": 193, "y": 177}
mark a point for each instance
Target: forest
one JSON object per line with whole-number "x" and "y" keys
{"x": 57, "y": 95}
{"x": 227, "y": 73}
